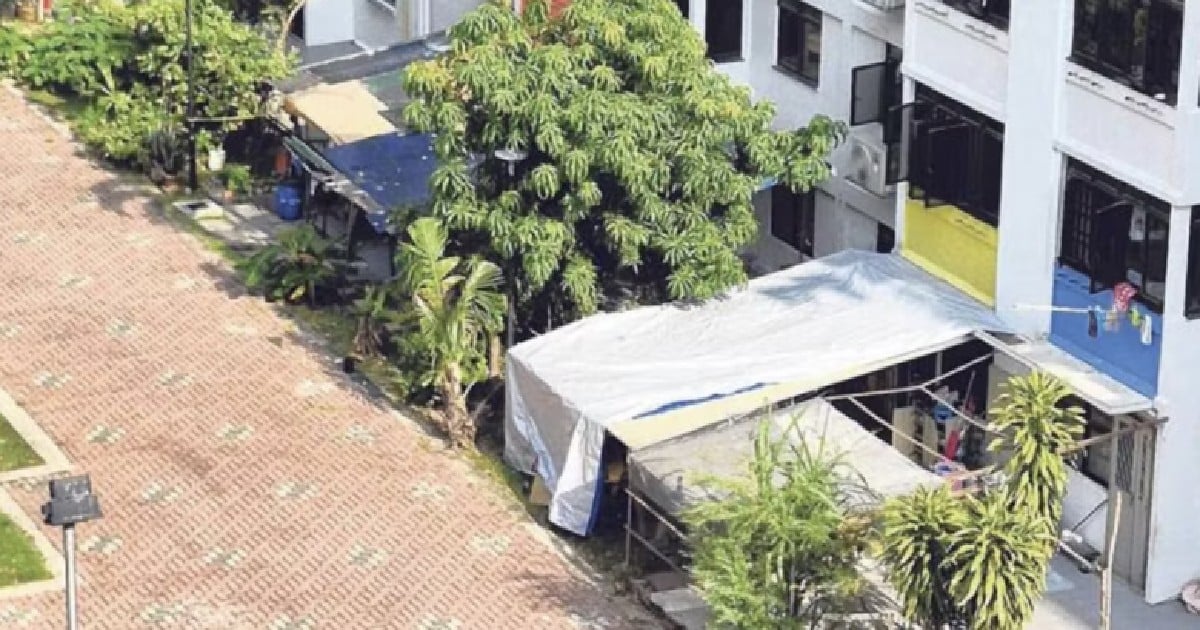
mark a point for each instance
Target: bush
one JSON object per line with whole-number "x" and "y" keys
{"x": 302, "y": 265}
{"x": 127, "y": 64}
{"x": 237, "y": 179}
{"x": 14, "y": 49}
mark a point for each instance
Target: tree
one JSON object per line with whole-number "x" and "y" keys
{"x": 1035, "y": 430}
{"x": 640, "y": 159}
{"x": 780, "y": 549}
{"x": 454, "y": 307}
{"x": 980, "y": 563}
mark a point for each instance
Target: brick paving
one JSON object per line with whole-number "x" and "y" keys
{"x": 245, "y": 483}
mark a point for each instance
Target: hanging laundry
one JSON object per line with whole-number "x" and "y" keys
{"x": 952, "y": 438}
{"x": 1112, "y": 320}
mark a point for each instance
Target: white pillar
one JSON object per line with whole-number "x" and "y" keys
{"x": 1039, "y": 37}
{"x": 1174, "y": 557}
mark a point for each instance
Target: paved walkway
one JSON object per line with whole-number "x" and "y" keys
{"x": 244, "y": 483}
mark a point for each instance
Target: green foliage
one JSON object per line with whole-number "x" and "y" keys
{"x": 166, "y": 151}
{"x": 296, "y": 267}
{"x": 641, "y": 158}
{"x": 982, "y": 562}
{"x": 1000, "y": 558}
{"x": 779, "y": 549}
{"x": 916, "y": 531}
{"x": 372, "y": 312}
{"x": 454, "y": 307}
{"x": 15, "y": 48}
{"x": 237, "y": 179}
{"x": 127, "y": 62}
{"x": 1035, "y": 430}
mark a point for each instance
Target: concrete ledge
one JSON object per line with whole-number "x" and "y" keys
{"x": 50, "y": 556}
{"x": 54, "y": 460}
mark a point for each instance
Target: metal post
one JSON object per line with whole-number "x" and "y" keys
{"x": 69, "y": 555}
{"x": 193, "y": 178}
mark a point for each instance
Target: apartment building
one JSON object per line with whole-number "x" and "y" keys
{"x": 1036, "y": 156}
{"x": 1049, "y": 157}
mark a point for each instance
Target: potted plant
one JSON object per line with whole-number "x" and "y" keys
{"x": 238, "y": 181}
{"x": 165, "y": 158}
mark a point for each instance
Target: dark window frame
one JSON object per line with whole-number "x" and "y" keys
{"x": 885, "y": 80}
{"x": 1191, "y": 302}
{"x": 949, "y": 150}
{"x": 885, "y": 238}
{"x": 793, "y": 218}
{"x": 734, "y": 51}
{"x": 805, "y": 20}
{"x": 1097, "y": 211}
{"x": 1137, "y": 43}
{"x": 994, "y": 12}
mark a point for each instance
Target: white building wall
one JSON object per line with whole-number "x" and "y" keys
{"x": 1029, "y": 196}
{"x": 328, "y": 22}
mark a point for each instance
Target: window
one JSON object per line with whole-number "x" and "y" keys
{"x": 954, "y": 155}
{"x": 793, "y": 218}
{"x": 683, "y": 7}
{"x": 876, "y": 88}
{"x": 723, "y": 30}
{"x": 1134, "y": 42}
{"x": 994, "y": 12}
{"x": 799, "y": 41}
{"x": 1192, "y": 295}
{"x": 1112, "y": 233}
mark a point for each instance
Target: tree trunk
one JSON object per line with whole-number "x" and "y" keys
{"x": 286, "y": 28}
{"x": 495, "y": 357}
{"x": 460, "y": 427}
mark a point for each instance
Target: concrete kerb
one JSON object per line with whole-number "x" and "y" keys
{"x": 53, "y": 559}
{"x": 54, "y": 460}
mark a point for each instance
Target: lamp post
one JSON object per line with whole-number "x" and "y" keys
{"x": 193, "y": 179}
{"x": 71, "y": 502}
{"x": 510, "y": 157}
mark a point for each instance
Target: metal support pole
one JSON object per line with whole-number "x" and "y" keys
{"x": 193, "y": 178}
{"x": 69, "y": 555}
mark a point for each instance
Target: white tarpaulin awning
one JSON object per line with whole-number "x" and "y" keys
{"x": 653, "y": 373}
{"x": 1097, "y": 388}
{"x": 673, "y": 474}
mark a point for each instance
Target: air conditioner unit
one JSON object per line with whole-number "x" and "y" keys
{"x": 866, "y": 166}
{"x": 884, "y": 5}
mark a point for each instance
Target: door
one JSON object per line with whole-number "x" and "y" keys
{"x": 1134, "y": 476}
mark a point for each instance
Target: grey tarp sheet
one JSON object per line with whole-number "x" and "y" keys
{"x": 673, "y": 474}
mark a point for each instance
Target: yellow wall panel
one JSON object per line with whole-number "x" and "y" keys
{"x": 953, "y": 246}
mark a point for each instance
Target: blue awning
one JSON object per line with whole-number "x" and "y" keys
{"x": 392, "y": 169}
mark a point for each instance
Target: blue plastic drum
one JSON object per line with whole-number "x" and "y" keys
{"x": 287, "y": 202}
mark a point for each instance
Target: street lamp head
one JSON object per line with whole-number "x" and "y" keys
{"x": 511, "y": 155}
{"x": 71, "y": 502}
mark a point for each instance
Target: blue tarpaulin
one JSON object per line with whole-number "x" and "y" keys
{"x": 392, "y": 169}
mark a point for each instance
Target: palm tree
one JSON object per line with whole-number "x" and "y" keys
{"x": 980, "y": 563}
{"x": 456, "y": 307}
{"x": 1036, "y": 429}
